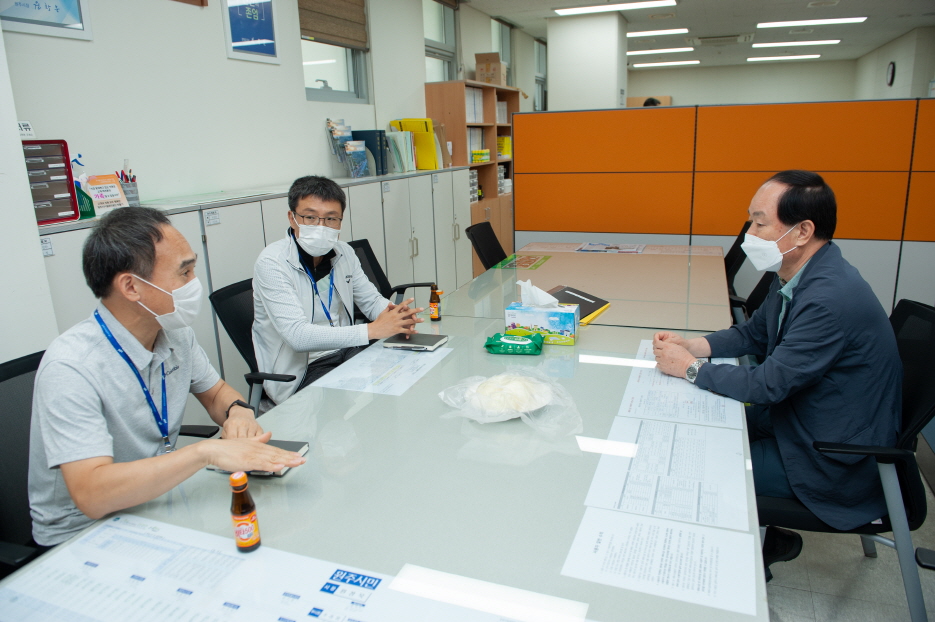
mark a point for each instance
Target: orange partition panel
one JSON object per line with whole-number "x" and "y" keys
{"x": 834, "y": 136}
{"x": 604, "y": 141}
{"x": 870, "y": 205}
{"x": 604, "y": 202}
{"x": 924, "y": 156}
{"x": 920, "y": 215}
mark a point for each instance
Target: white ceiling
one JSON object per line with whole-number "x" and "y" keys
{"x": 887, "y": 20}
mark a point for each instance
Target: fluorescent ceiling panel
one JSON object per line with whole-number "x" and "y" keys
{"x": 603, "y": 8}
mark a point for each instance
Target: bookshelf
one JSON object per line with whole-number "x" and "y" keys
{"x": 445, "y": 103}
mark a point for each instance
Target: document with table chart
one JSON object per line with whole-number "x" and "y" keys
{"x": 691, "y": 473}
{"x": 382, "y": 370}
{"x": 132, "y": 568}
{"x": 654, "y": 395}
{"x": 691, "y": 563}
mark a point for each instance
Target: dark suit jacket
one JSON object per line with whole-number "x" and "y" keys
{"x": 832, "y": 373}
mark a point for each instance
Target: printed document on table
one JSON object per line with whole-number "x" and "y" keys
{"x": 551, "y": 247}
{"x": 382, "y": 370}
{"x": 132, "y": 568}
{"x": 684, "y": 472}
{"x": 691, "y": 563}
{"x": 598, "y": 247}
{"x": 654, "y": 395}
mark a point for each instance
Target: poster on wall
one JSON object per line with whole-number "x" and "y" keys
{"x": 60, "y": 18}
{"x": 250, "y": 30}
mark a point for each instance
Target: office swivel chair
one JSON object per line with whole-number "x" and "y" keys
{"x": 735, "y": 258}
{"x": 234, "y": 307}
{"x": 485, "y": 244}
{"x": 914, "y": 325}
{"x": 374, "y": 272}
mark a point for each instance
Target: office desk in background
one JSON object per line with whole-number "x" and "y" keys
{"x": 683, "y": 289}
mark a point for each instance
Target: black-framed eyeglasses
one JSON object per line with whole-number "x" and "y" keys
{"x": 329, "y": 221}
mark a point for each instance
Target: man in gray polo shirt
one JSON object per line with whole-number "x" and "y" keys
{"x": 111, "y": 391}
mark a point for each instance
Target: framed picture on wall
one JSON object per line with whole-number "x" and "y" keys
{"x": 250, "y": 30}
{"x": 54, "y": 18}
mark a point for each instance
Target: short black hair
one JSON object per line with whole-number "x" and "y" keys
{"x": 651, "y": 101}
{"x": 124, "y": 240}
{"x": 315, "y": 186}
{"x": 807, "y": 197}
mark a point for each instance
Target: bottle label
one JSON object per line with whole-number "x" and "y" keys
{"x": 434, "y": 313}
{"x": 246, "y": 530}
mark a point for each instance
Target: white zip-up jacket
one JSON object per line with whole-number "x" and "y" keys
{"x": 283, "y": 299}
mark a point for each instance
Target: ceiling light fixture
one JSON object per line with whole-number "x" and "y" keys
{"x": 812, "y": 22}
{"x": 663, "y": 51}
{"x": 603, "y": 8}
{"x": 782, "y": 44}
{"x": 320, "y": 62}
{"x": 669, "y": 64}
{"x": 653, "y": 33}
{"x": 800, "y": 57}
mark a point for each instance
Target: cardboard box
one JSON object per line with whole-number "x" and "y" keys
{"x": 489, "y": 69}
{"x": 557, "y": 326}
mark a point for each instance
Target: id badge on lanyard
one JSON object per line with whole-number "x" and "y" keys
{"x": 162, "y": 419}
{"x": 327, "y": 309}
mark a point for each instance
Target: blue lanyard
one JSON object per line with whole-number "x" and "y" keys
{"x": 330, "y": 293}
{"x": 162, "y": 420}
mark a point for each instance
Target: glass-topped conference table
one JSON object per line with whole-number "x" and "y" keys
{"x": 390, "y": 482}
{"x": 673, "y": 287}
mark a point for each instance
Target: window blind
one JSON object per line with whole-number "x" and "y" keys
{"x": 338, "y": 22}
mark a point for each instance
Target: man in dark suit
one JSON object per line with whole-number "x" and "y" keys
{"x": 831, "y": 370}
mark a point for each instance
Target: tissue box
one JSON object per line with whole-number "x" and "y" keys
{"x": 557, "y": 326}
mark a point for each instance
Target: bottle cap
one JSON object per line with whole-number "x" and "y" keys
{"x": 439, "y": 291}
{"x": 238, "y": 479}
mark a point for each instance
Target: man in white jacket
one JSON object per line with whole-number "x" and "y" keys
{"x": 305, "y": 287}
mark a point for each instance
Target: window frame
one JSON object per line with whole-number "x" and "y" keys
{"x": 446, "y": 51}
{"x": 541, "y": 78}
{"x": 505, "y": 43}
{"x": 357, "y": 75}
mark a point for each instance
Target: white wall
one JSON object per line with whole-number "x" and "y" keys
{"x": 191, "y": 120}
{"x": 748, "y": 84}
{"x": 871, "y": 69}
{"x": 524, "y": 68}
{"x": 475, "y": 38}
{"x": 586, "y": 61}
{"x": 26, "y": 315}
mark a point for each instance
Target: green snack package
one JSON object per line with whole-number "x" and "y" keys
{"x": 514, "y": 344}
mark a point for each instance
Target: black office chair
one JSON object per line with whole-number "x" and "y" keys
{"x": 914, "y": 325}
{"x": 485, "y": 244}
{"x": 234, "y": 307}
{"x": 17, "y": 378}
{"x": 735, "y": 258}
{"x": 374, "y": 272}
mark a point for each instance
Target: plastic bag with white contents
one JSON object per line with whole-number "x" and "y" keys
{"x": 522, "y": 392}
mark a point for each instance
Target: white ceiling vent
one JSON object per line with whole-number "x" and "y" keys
{"x": 717, "y": 41}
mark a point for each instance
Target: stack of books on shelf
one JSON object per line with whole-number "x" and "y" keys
{"x": 501, "y": 113}
{"x": 472, "y": 178}
{"x": 375, "y": 141}
{"x": 352, "y": 153}
{"x": 474, "y": 105}
{"x": 475, "y": 142}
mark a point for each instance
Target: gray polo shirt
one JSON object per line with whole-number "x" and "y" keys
{"x": 88, "y": 403}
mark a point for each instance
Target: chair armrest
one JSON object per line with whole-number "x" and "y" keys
{"x": 199, "y": 431}
{"x": 737, "y": 301}
{"x": 258, "y": 377}
{"x": 15, "y": 554}
{"x": 399, "y": 290}
{"x": 886, "y": 455}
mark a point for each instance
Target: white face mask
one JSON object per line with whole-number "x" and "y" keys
{"x": 187, "y": 301}
{"x": 765, "y": 254}
{"x": 316, "y": 240}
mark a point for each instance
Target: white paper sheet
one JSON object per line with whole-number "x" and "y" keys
{"x": 654, "y": 395}
{"x": 599, "y": 247}
{"x": 382, "y": 370}
{"x": 691, "y": 563}
{"x": 132, "y": 568}
{"x": 684, "y": 472}
{"x": 551, "y": 247}
{"x": 669, "y": 249}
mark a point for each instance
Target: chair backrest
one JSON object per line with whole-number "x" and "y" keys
{"x": 486, "y": 244}
{"x": 234, "y": 307}
{"x": 735, "y": 258}
{"x": 914, "y": 326}
{"x": 371, "y": 267}
{"x": 759, "y": 293}
{"x": 17, "y": 379}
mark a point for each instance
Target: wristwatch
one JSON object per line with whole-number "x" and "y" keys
{"x": 239, "y": 403}
{"x": 692, "y": 372}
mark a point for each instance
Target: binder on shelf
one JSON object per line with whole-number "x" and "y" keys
{"x": 590, "y": 306}
{"x": 423, "y": 141}
{"x": 375, "y": 140}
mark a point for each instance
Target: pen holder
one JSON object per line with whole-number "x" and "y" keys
{"x": 131, "y": 192}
